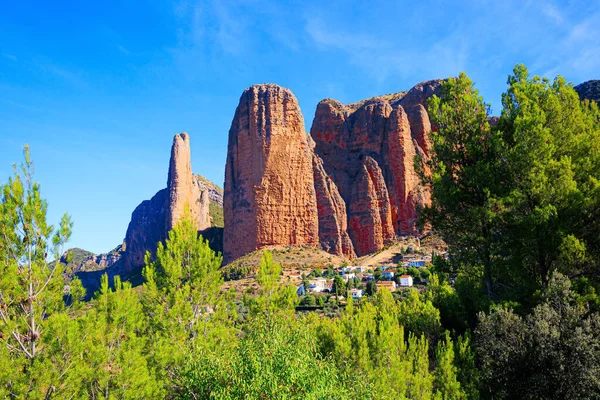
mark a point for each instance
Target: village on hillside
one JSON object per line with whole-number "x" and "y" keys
{"x": 341, "y": 283}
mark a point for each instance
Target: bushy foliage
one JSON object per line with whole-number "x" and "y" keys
{"x": 554, "y": 351}
{"x": 517, "y": 202}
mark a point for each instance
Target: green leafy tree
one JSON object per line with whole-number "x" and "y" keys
{"x": 275, "y": 358}
{"x": 309, "y": 300}
{"x": 552, "y": 141}
{"x": 315, "y": 273}
{"x": 551, "y": 353}
{"x": 339, "y": 286}
{"x": 419, "y": 316}
{"x": 467, "y": 177}
{"x": 31, "y": 286}
{"x": 305, "y": 282}
{"x": 453, "y": 314}
{"x": 115, "y": 359}
{"x": 371, "y": 288}
{"x": 377, "y": 274}
{"x": 414, "y": 272}
{"x": 467, "y": 371}
{"x": 272, "y": 297}
{"x": 182, "y": 300}
{"x": 446, "y": 382}
{"x": 368, "y": 343}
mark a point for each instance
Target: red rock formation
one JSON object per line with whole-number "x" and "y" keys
{"x": 351, "y": 190}
{"x": 420, "y": 93}
{"x": 380, "y": 131}
{"x": 400, "y": 158}
{"x": 333, "y": 235}
{"x": 420, "y": 127}
{"x": 269, "y": 194}
{"x": 370, "y": 216}
{"x": 152, "y": 219}
{"x": 185, "y": 195}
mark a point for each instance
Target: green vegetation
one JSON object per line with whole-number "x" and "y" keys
{"x": 512, "y": 313}
{"x": 79, "y": 255}
{"x": 216, "y": 214}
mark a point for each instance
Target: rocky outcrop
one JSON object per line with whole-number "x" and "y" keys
{"x": 215, "y": 193}
{"x": 331, "y": 210}
{"x": 370, "y": 214}
{"x": 152, "y": 219}
{"x": 147, "y": 227}
{"x": 350, "y": 188}
{"x": 185, "y": 196}
{"x": 382, "y": 136}
{"x": 589, "y": 90}
{"x": 269, "y": 196}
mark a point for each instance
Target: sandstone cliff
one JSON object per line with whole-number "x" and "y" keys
{"x": 369, "y": 150}
{"x": 154, "y": 218}
{"x": 269, "y": 196}
{"x": 351, "y": 187}
{"x": 331, "y": 210}
{"x": 151, "y": 221}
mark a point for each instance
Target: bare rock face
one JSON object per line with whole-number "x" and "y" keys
{"x": 146, "y": 228}
{"x": 185, "y": 195}
{"x": 153, "y": 219}
{"x": 370, "y": 216}
{"x": 589, "y": 90}
{"x": 420, "y": 126}
{"x": 369, "y": 150}
{"x": 269, "y": 196}
{"x": 351, "y": 188}
{"x": 333, "y": 225}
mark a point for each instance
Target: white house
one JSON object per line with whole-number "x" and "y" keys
{"x": 356, "y": 293}
{"x": 348, "y": 276}
{"x": 317, "y": 285}
{"x": 406, "y": 280}
{"x": 346, "y": 270}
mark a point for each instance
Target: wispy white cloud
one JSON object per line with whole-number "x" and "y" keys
{"x": 350, "y": 42}
{"x": 123, "y": 50}
{"x": 15, "y": 104}
{"x": 9, "y": 56}
{"x": 381, "y": 56}
{"x": 232, "y": 27}
{"x": 576, "y": 52}
{"x": 552, "y": 12}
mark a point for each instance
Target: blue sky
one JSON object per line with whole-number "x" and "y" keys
{"x": 98, "y": 89}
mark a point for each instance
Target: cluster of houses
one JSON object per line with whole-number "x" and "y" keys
{"x": 365, "y": 274}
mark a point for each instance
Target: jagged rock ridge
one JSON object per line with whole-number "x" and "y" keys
{"x": 154, "y": 218}
{"x": 369, "y": 150}
{"x": 351, "y": 187}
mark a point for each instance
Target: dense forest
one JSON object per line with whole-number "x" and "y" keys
{"x": 512, "y": 313}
